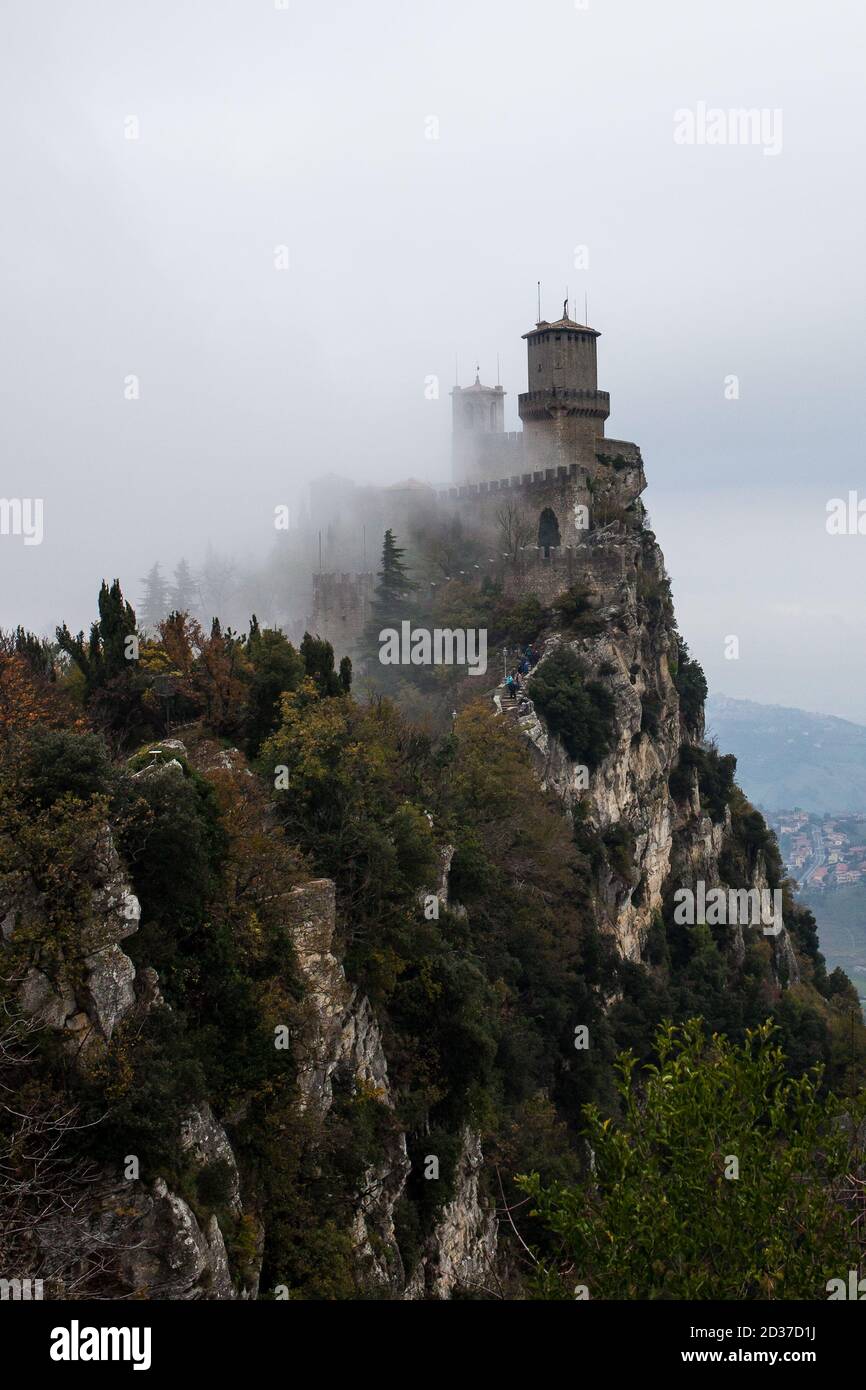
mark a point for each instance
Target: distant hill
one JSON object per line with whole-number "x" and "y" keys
{"x": 788, "y": 757}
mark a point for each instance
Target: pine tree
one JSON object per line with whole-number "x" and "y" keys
{"x": 394, "y": 586}
{"x": 153, "y": 606}
{"x": 183, "y": 593}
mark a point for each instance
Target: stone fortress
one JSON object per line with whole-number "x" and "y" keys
{"x": 534, "y": 496}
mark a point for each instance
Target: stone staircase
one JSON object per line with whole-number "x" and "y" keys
{"x": 515, "y": 708}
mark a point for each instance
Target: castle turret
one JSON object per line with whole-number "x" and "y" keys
{"x": 563, "y": 411}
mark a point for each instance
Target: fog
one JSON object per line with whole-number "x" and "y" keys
{"x": 324, "y": 205}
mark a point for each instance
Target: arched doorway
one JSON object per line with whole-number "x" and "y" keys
{"x": 548, "y": 530}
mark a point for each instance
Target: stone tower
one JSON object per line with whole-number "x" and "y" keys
{"x": 563, "y": 411}
{"x": 478, "y": 425}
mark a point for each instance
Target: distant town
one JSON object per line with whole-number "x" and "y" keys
{"x": 821, "y": 852}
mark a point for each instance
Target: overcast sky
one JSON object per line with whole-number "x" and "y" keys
{"x": 309, "y": 127}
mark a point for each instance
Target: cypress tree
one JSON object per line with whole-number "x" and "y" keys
{"x": 394, "y": 586}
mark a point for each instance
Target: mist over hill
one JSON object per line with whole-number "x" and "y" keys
{"x": 789, "y": 757}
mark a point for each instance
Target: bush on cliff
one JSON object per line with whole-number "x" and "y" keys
{"x": 725, "y": 1178}
{"x": 580, "y": 712}
{"x": 691, "y": 684}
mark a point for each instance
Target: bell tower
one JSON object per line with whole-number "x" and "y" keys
{"x": 477, "y": 412}
{"x": 562, "y": 410}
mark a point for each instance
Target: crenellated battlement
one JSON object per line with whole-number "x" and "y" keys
{"x": 533, "y": 498}
{"x": 540, "y": 404}
{"x": 523, "y": 480}
{"x": 563, "y": 411}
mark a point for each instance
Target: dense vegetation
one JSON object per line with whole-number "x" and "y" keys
{"x": 724, "y": 1179}
{"x": 480, "y": 1001}
{"x": 580, "y": 711}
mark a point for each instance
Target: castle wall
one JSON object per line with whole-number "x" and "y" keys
{"x": 561, "y": 490}
{"x": 505, "y": 513}
{"x": 488, "y": 457}
{"x": 341, "y": 610}
{"x": 559, "y": 438}
{"x": 609, "y": 484}
{"x": 596, "y": 564}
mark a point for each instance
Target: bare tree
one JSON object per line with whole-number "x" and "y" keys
{"x": 50, "y": 1194}
{"x": 515, "y": 528}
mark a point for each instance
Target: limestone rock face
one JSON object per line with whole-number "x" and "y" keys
{"x": 629, "y": 787}
{"x": 632, "y": 653}
{"x": 134, "y": 1240}
{"x": 41, "y": 999}
{"x": 94, "y": 989}
{"x": 171, "y": 1256}
{"x": 343, "y": 1030}
{"x": 110, "y": 986}
{"x": 203, "y": 1138}
{"x": 145, "y": 1237}
{"x": 344, "y": 1035}
{"x": 461, "y": 1253}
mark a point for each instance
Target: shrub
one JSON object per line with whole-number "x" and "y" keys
{"x": 658, "y": 1216}
{"x": 619, "y": 841}
{"x": 715, "y": 777}
{"x": 214, "y": 1184}
{"x": 57, "y": 762}
{"x": 580, "y": 712}
{"x": 650, "y": 714}
{"x": 574, "y": 610}
{"x": 691, "y": 685}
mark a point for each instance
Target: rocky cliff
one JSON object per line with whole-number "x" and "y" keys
{"x": 631, "y": 647}
{"x": 343, "y": 1036}
{"x": 110, "y": 1227}
{"x": 254, "y": 942}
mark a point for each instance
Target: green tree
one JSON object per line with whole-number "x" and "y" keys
{"x": 276, "y": 668}
{"x": 725, "y": 1178}
{"x": 691, "y": 684}
{"x": 113, "y": 686}
{"x": 106, "y": 654}
{"x": 318, "y": 659}
{"x": 394, "y": 586}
